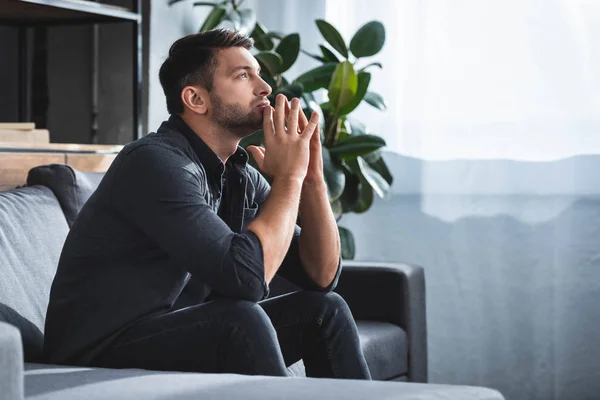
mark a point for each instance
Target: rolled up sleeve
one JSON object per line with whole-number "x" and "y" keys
{"x": 162, "y": 193}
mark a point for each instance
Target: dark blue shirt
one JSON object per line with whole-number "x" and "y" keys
{"x": 165, "y": 229}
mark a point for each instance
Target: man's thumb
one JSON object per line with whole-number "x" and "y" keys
{"x": 257, "y": 155}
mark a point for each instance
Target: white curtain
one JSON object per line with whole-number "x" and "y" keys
{"x": 493, "y": 123}
{"x": 515, "y": 79}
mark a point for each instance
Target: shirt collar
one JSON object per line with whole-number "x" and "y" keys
{"x": 210, "y": 161}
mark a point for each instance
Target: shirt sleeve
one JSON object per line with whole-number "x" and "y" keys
{"x": 291, "y": 268}
{"x": 162, "y": 193}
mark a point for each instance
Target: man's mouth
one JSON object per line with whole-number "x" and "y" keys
{"x": 263, "y": 104}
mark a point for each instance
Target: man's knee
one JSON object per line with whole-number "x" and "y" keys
{"x": 328, "y": 303}
{"x": 249, "y": 317}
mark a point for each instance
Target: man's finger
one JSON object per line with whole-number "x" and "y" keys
{"x": 280, "y": 113}
{"x": 288, "y": 109}
{"x": 258, "y": 154}
{"x": 311, "y": 126}
{"x": 316, "y": 136}
{"x": 302, "y": 121}
{"x": 268, "y": 127}
{"x": 292, "y": 118}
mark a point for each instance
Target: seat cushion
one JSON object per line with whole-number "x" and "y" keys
{"x": 33, "y": 229}
{"x": 71, "y": 187}
{"x": 385, "y": 348}
{"x": 44, "y": 382}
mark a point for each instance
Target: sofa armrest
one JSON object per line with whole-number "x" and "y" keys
{"x": 390, "y": 292}
{"x": 11, "y": 363}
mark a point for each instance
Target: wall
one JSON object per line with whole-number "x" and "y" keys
{"x": 512, "y": 265}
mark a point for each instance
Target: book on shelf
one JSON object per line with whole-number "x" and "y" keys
{"x": 17, "y": 126}
{"x": 32, "y": 136}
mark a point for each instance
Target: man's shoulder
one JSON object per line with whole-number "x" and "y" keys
{"x": 158, "y": 150}
{"x": 166, "y": 143}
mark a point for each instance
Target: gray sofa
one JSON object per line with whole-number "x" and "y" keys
{"x": 387, "y": 300}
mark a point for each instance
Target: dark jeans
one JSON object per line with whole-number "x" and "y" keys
{"x": 238, "y": 336}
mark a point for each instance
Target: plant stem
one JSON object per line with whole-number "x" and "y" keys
{"x": 333, "y": 131}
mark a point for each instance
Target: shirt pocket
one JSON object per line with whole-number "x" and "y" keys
{"x": 249, "y": 215}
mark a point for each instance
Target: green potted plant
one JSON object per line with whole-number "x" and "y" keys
{"x": 353, "y": 167}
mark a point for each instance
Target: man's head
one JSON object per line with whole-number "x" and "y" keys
{"x": 213, "y": 74}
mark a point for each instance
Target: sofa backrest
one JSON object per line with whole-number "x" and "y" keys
{"x": 71, "y": 187}
{"x": 34, "y": 222}
{"x": 33, "y": 229}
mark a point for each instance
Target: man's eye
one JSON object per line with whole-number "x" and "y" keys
{"x": 243, "y": 75}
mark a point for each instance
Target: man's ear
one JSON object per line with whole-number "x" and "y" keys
{"x": 195, "y": 98}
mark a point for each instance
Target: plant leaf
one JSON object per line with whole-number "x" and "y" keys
{"x": 343, "y": 86}
{"x": 326, "y": 106}
{"x": 354, "y": 146}
{"x": 333, "y": 37}
{"x": 247, "y": 21}
{"x": 270, "y": 61}
{"x": 290, "y": 91}
{"x": 379, "y": 185}
{"x": 276, "y": 35}
{"x": 235, "y": 18}
{"x": 334, "y": 176}
{"x": 312, "y": 105}
{"x": 350, "y": 196}
{"x": 317, "y": 78}
{"x": 365, "y": 197}
{"x": 356, "y": 127}
{"x": 336, "y": 207}
{"x": 368, "y": 40}
{"x": 347, "y": 243}
{"x": 314, "y": 56}
{"x": 377, "y": 162}
{"x": 261, "y": 40}
{"x": 365, "y": 191}
{"x": 213, "y": 19}
{"x": 288, "y": 49}
{"x": 364, "y": 78}
{"x": 373, "y": 64}
{"x": 376, "y": 100}
{"x": 328, "y": 54}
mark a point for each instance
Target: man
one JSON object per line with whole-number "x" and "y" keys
{"x": 167, "y": 265}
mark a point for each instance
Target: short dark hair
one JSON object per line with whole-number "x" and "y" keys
{"x": 192, "y": 60}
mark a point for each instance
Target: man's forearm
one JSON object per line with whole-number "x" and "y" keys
{"x": 319, "y": 241}
{"x": 275, "y": 224}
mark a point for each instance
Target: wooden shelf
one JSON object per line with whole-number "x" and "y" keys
{"x": 58, "y": 12}
{"x": 60, "y": 148}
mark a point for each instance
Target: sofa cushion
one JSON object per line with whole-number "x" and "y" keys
{"x": 32, "y": 232}
{"x": 385, "y": 348}
{"x": 71, "y": 187}
{"x": 44, "y": 382}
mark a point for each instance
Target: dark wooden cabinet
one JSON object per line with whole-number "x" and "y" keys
{"x": 31, "y": 17}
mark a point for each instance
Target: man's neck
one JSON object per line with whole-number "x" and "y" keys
{"x": 222, "y": 143}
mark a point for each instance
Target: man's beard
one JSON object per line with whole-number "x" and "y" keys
{"x": 234, "y": 118}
